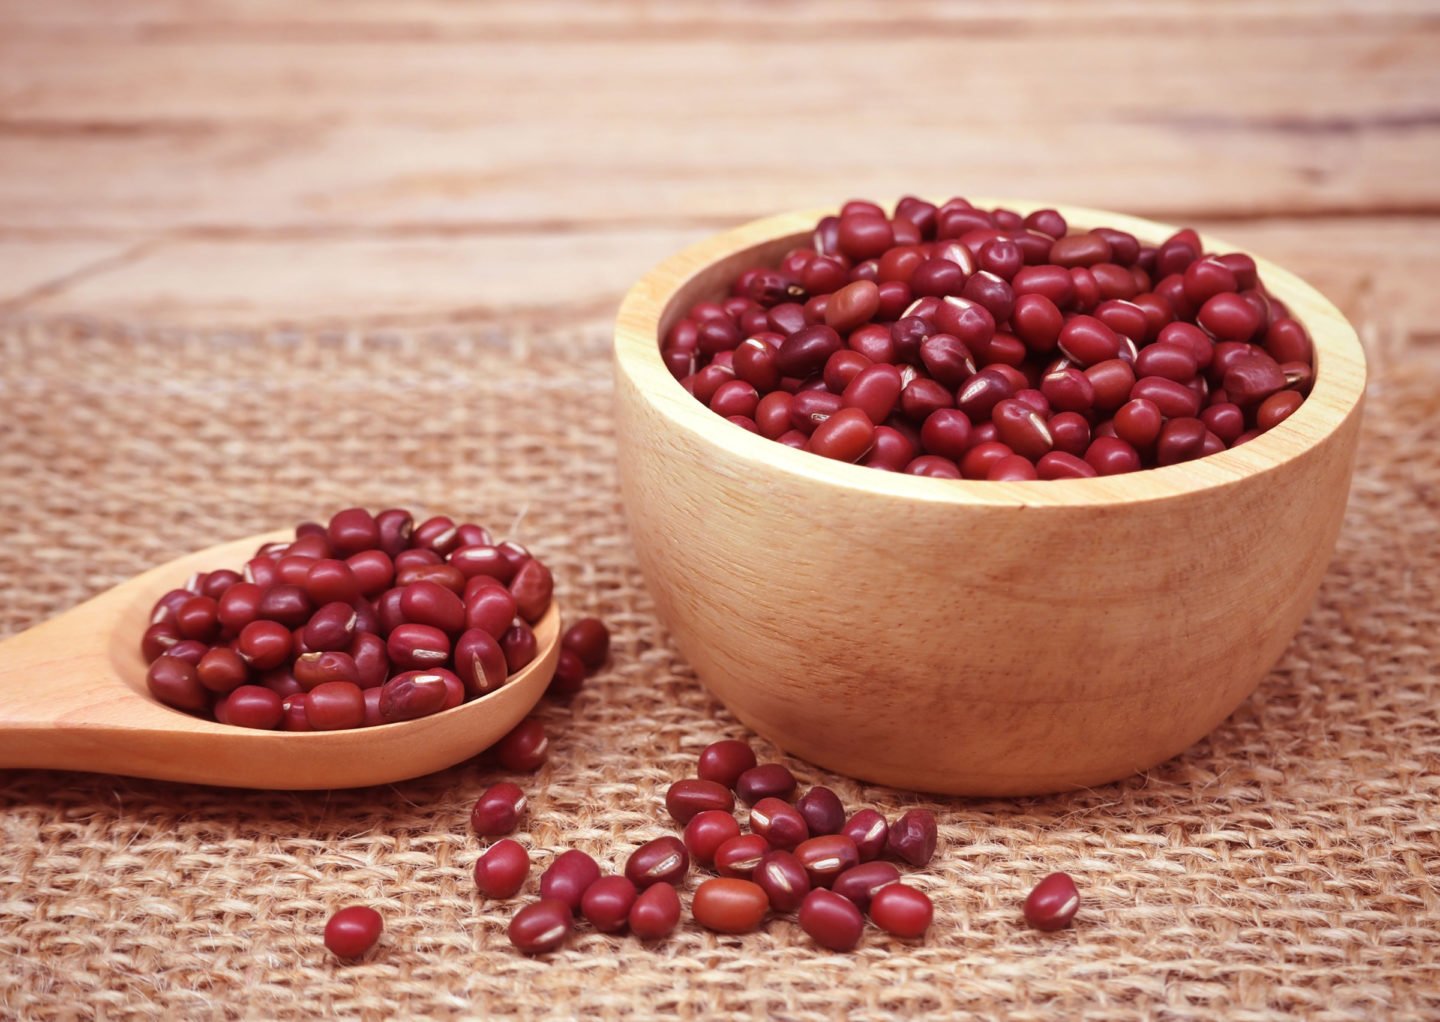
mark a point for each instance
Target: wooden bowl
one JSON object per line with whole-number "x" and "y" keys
{"x": 973, "y": 638}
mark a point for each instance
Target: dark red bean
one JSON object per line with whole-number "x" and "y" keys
{"x": 498, "y": 809}
{"x": 198, "y": 618}
{"x": 1047, "y": 221}
{"x": 264, "y": 644}
{"x": 1080, "y": 250}
{"x": 332, "y": 627}
{"x": 826, "y": 857}
{"x": 412, "y": 694}
{"x": 332, "y": 581}
{"x": 158, "y": 639}
{"x": 312, "y": 669}
{"x": 252, "y": 706}
{"x": 1251, "y": 377}
{"x": 912, "y": 837}
{"x": 221, "y": 670}
{"x": 1287, "y": 341}
{"x": 947, "y": 359}
{"x": 739, "y": 856}
{"x": 662, "y": 861}
{"x": 1110, "y": 456}
{"x": 1068, "y": 390}
{"x": 706, "y": 832}
{"x": 783, "y": 879}
{"x": 1022, "y": 429}
{"x": 685, "y": 799}
{"x": 1061, "y": 465}
{"x": 532, "y": 587}
{"x": 822, "y": 811}
{"x": 520, "y": 646}
{"x": 589, "y": 639}
{"x": 351, "y": 531}
{"x": 1274, "y": 410}
{"x": 730, "y": 905}
{"x": 427, "y": 603}
{"x": 831, "y": 921}
{"x": 607, "y": 902}
{"x": 1071, "y": 432}
{"x": 778, "y": 822}
{"x": 1175, "y": 400}
{"x": 568, "y": 877}
{"x": 875, "y": 390}
{"x": 525, "y": 748}
{"x": 724, "y": 761}
{"x": 189, "y": 650}
{"x": 569, "y": 676}
{"x": 286, "y": 604}
{"x": 1112, "y": 381}
{"x": 852, "y": 305}
{"x": 656, "y": 912}
{"x": 841, "y": 368}
{"x": 501, "y": 871}
{"x": 417, "y": 647}
{"x": 335, "y": 706}
{"x": 1012, "y": 468}
{"x": 1087, "y": 341}
{"x": 844, "y": 436}
{"x": 933, "y": 466}
{"x": 967, "y": 320}
{"x": 1172, "y": 361}
{"x": 1053, "y": 903}
{"x": 239, "y": 606}
{"x": 482, "y": 561}
{"x": 372, "y": 663}
{"x": 480, "y": 662}
{"x": 869, "y": 830}
{"x": 490, "y": 608}
{"x": 541, "y": 927}
{"x": 806, "y": 351}
{"x": 1229, "y": 317}
{"x": 1180, "y": 440}
{"x": 218, "y": 582}
{"x": 859, "y": 883}
{"x": 1138, "y": 423}
{"x": 902, "y": 911}
{"x": 353, "y": 931}
{"x": 295, "y": 719}
{"x": 768, "y": 780}
{"x": 947, "y": 433}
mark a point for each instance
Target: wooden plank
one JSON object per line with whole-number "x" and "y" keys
{"x": 1372, "y": 268}
{"x": 214, "y": 133}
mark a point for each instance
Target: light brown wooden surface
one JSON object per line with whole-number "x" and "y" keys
{"x": 227, "y": 163}
{"x": 93, "y": 711}
{"x": 900, "y": 650}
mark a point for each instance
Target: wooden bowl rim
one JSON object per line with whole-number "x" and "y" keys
{"x": 1336, "y": 394}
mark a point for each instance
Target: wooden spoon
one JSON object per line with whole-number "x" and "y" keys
{"x": 73, "y": 697}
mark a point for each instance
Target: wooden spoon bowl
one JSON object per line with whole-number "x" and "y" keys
{"x": 973, "y": 637}
{"x": 73, "y": 697}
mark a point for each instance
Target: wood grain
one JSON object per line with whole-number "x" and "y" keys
{"x": 266, "y": 162}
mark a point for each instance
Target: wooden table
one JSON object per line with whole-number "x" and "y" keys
{"x": 220, "y": 163}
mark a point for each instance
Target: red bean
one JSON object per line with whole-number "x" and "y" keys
{"x": 589, "y": 639}
{"x": 822, "y": 811}
{"x": 869, "y": 830}
{"x": 845, "y": 436}
{"x": 724, "y": 761}
{"x": 1174, "y": 400}
{"x": 412, "y": 694}
{"x": 662, "y": 861}
{"x": 498, "y": 809}
{"x": 875, "y": 390}
{"x": 1180, "y": 440}
{"x": 831, "y": 921}
{"x": 729, "y": 905}
{"x": 826, "y": 857}
{"x": 1138, "y": 423}
{"x": 480, "y": 662}
{"x": 524, "y": 748}
{"x": 1080, "y": 250}
{"x": 1022, "y": 429}
{"x": 335, "y": 706}
{"x": 314, "y": 669}
{"x": 1229, "y": 317}
{"x": 1052, "y": 904}
{"x": 221, "y": 670}
{"x": 685, "y": 799}
{"x": 859, "y": 883}
{"x": 779, "y": 823}
{"x": 353, "y": 931}
{"x": 417, "y": 647}
{"x": 655, "y": 912}
{"x": 1274, "y": 410}
{"x": 532, "y": 587}
{"x": 706, "y": 832}
{"x": 264, "y": 644}
{"x": 252, "y": 706}
{"x": 739, "y": 856}
{"x": 768, "y": 780}
{"x": 568, "y": 877}
{"x": 520, "y": 646}
{"x": 902, "y": 911}
{"x": 541, "y": 927}
{"x": 501, "y": 871}
{"x": 607, "y": 902}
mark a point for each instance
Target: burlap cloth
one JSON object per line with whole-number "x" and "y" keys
{"x": 1285, "y": 866}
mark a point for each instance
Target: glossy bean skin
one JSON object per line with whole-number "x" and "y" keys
{"x": 912, "y": 838}
{"x": 589, "y": 639}
{"x": 730, "y": 905}
{"x": 779, "y": 823}
{"x": 541, "y": 927}
{"x": 606, "y": 903}
{"x": 783, "y": 879}
{"x": 501, "y": 870}
{"x": 768, "y": 780}
{"x": 687, "y": 798}
{"x": 739, "y": 856}
{"x": 662, "y": 861}
{"x": 859, "y": 883}
{"x": 822, "y": 810}
{"x": 176, "y": 683}
{"x": 869, "y": 831}
{"x": 826, "y": 858}
{"x": 568, "y": 877}
{"x": 353, "y": 931}
{"x": 831, "y": 921}
{"x": 498, "y": 809}
{"x": 412, "y": 694}
{"x": 524, "y": 748}
{"x": 1053, "y": 902}
{"x": 655, "y": 913}
{"x": 335, "y": 706}
{"x": 252, "y": 706}
{"x": 706, "y": 832}
{"x": 902, "y": 911}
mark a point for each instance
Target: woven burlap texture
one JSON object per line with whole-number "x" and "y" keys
{"x": 1284, "y": 866}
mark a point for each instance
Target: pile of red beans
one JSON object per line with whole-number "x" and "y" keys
{"x": 808, "y": 857}
{"x": 958, "y": 342}
{"x": 368, "y": 620}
